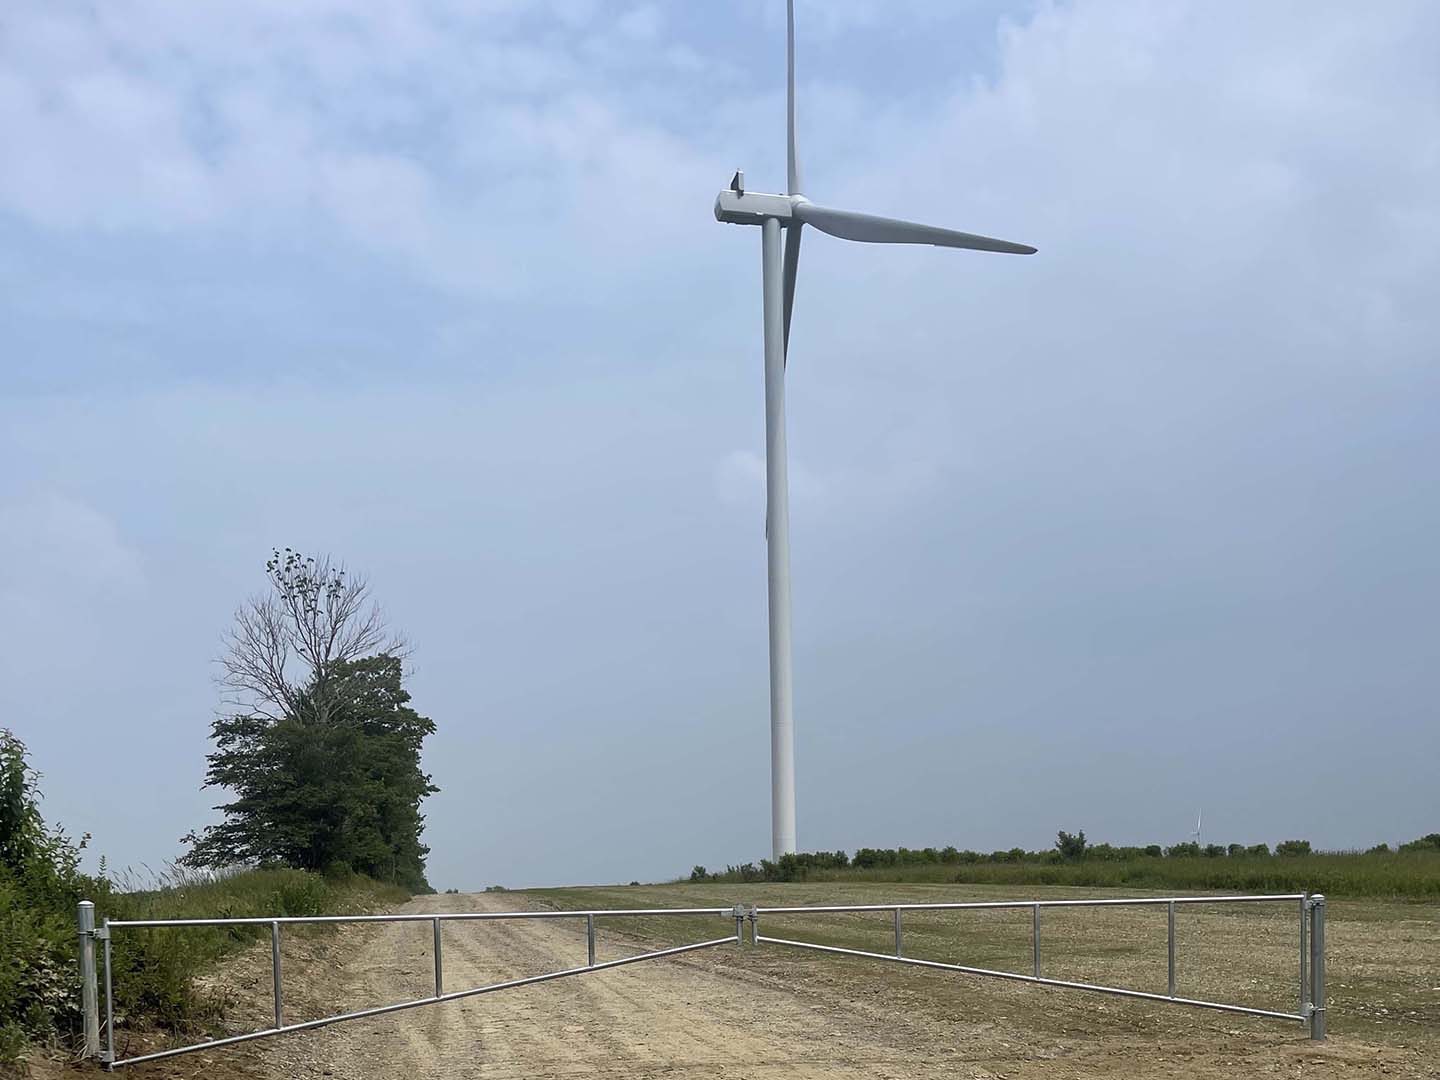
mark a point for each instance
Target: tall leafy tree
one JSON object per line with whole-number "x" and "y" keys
{"x": 323, "y": 757}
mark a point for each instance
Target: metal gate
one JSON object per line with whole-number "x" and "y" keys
{"x": 1310, "y": 934}
{"x": 100, "y": 1038}
{"x": 104, "y": 1049}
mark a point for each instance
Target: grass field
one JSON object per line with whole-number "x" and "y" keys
{"x": 1389, "y": 875}
{"x": 1384, "y": 956}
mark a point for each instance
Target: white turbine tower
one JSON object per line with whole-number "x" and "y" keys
{"x": 791, "y": 212}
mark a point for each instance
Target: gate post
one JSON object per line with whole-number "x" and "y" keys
{"x": 1317, "y": 967}
{"x": 89, "y": 993}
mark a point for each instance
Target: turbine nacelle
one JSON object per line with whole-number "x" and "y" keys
{"x": 739, "y": 207}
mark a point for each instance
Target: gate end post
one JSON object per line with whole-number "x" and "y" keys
{"x": 1317, "y": 967}
{"x": 89, "y": 991}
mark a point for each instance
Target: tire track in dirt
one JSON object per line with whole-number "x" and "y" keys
{"x": 684, "y": 1016}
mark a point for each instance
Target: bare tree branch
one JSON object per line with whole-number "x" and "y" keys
{"x": 286, "y": 644}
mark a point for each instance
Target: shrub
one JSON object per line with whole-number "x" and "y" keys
{"x": 1071, "y": 846}
{"x": 40, "y": 884}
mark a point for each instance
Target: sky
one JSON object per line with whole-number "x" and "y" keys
{"x": 1143, "y": 525}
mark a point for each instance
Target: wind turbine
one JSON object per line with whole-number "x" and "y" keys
{"x": 791, "y": 212}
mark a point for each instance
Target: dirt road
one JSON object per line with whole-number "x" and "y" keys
{"x": 732, "y": 1013}
{"x": 680, "y": 1016}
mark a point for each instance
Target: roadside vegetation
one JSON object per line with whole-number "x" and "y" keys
{"x": 1412, "y": 871}
{"x": 154, "y": 971}
{"x": 320, "y": 750}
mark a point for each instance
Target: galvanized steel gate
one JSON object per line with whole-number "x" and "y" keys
{"x": 1311, "y": 953}
{"x": 1311, "y": 934}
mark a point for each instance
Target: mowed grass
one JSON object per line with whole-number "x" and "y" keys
{"x": 1383, "y": 956}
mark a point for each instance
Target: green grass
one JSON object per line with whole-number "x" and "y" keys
{"x": 154, "y": 971}
{"x": 1384, "y": 954}
{"x": 1405, "y": 876}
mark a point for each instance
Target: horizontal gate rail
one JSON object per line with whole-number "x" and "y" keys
{"x": 103, "y": 934}
{"x": 452, "y": 916}
{"x": 1311, "y": 933}
{"x": 1138, "y": 901}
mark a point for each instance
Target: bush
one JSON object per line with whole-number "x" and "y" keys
{"x": 1414, "y": 872}
{"x": 153, "y": 971}
{"x": 1428, "y": 842}
{"x": 1070, "y": 846}
{"x": 40, "y": 884}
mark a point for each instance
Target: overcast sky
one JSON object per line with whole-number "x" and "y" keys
{"x": 1144, "y": 523}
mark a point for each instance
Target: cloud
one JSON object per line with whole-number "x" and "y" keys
{"x": 421, "y": 132}
{"x": 1163, "y": 487}
{"x": 50, "y": 542}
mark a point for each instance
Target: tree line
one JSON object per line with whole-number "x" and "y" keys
{"x": 1069, "y": 848}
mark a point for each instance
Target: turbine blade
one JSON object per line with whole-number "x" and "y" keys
{"x": 869, "y": 229}
{"x": 792, "y": 264}
{"x": 792, "y": 159}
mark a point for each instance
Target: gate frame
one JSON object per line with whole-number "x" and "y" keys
{"x": 1311, "y": 934}
{"x": 90, "y": 934}
{"x": 1311, "y": 927}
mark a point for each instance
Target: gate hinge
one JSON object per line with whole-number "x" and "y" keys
{"x": 101, "y": 933}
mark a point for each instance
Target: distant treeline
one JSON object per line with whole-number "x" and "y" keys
{"x": 1413, "y": 869}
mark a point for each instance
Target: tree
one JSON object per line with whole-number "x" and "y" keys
{"x": 1428, "y": 842}
{"x": 1071, "y": 847}
{"x": 324, "y": 759}
{"x": 1292, "y": 848}
{"x": 283, "y": 653}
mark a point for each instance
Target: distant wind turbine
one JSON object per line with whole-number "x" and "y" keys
{"x": 791, "y": 212}
{"x": 1199, "y": 820}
